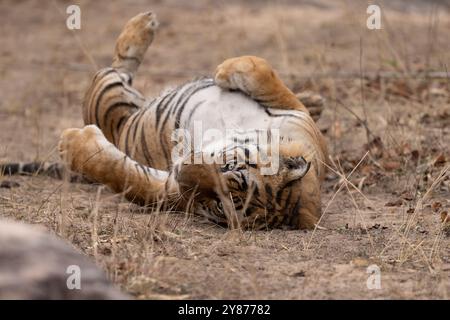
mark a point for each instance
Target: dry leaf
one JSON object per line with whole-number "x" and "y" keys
{"x": 436, "y": 206}
{"x": 391, "y": 165}
{"x": 396, "y": 203}
{"x": 439, "y": 161}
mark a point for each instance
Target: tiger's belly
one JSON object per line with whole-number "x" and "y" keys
{"x": 209, "y": 117}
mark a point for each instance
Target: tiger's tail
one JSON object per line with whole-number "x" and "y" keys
{"x": 50, "y": 169}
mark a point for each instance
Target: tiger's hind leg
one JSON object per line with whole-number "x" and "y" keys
{"x": 87, "y": 152}
{"x": 255, "y": 77}
{"x": 111, "y": 99}
{"x": 133, "y": 42}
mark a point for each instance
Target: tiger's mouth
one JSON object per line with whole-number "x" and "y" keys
{"x": 249, "y": 212}
{"x": 216, "y": 211}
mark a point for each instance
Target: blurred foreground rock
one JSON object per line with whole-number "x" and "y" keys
{"x": 37, "y": 265}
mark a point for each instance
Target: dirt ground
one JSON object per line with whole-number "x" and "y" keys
{"x": 389, "y": 134}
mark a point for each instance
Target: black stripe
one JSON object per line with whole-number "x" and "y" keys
{"x": 161, "y": 106}
{"x": 244, "y": 184}
{"x": 106, "y": 72}
{"x": 256, "y": 190}
{"x": 288, "y": 199}
{"x": 147, "y": 155}
{"x": 140, "y": 166}
{"x": 118, "y": 105}
{"x": 184, "y": 96}
{"x": 180, "y": 111}
{"x": 127, "y": 151}
{"x": 135, "y": 123}
{"x": 247, "y": 155}
{"x": 132, "y": 108}
{"x": 10, "y": 169}
{"x": 187, "y": 95}
{"x": 100, "y": 83}
{"x": 191, "y": 112}
{"x": 262, "y": 100}
{"x": 136, "y": 126}
{"x": 279, "y": 193}
{"x": 111, "y": 109}
{"x": 113, "y": 98}
{"x": 55, "y": 170}
{"x": 129, "y": 58}
{"x": 95, "y": 87}
{"x": 254, "y": 166}
{"x": 268, "y": 191}
{"x": 29, "y": 168}
{"x": 294, "y": 214}
{"x": 240, "y": 141}
{"x": 120, "y": 123}
{"x": 133, "y": 92}
{"x": 280, "y": 115}
{"x": 97, "y": 103}
{"x": 122, "y": 119}
{"x": 146, "y": 171}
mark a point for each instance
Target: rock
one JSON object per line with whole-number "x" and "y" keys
{"x": 38, "y": 265}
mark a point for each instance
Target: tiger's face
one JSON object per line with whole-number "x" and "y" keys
{"x": 236, "y": 190}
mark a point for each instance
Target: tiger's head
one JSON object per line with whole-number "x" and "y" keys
{"x": 239, "y": 191}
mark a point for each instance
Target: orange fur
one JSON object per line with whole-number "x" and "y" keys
{"x": 256, "y": 77}
{"x": 94, "y": 151}
{"x": 133, "y": 42}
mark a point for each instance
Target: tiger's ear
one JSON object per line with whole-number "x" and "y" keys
{"x": 294, "y": 168}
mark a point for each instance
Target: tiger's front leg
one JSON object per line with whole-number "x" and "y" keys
{"x": 88, "y": 152}
{"x": 255, "y": 77}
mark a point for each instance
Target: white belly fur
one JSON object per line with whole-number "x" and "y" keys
{"x": 224, "y": 110}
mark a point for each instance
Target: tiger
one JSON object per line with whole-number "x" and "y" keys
{"x": 128, "y": 141}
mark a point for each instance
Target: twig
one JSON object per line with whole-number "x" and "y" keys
{"x": 334, "y": 196}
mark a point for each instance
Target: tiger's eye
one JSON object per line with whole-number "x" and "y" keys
{"x": 228, "y": 167}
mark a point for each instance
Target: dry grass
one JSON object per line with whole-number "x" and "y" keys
{"x": 383, "y": 206}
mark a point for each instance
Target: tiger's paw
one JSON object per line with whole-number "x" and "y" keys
{"x": 134, "y": 41}
{"x": 255, "y": 77}
{"x": 81, "y": 147}
{"x": 248, "y": 74}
